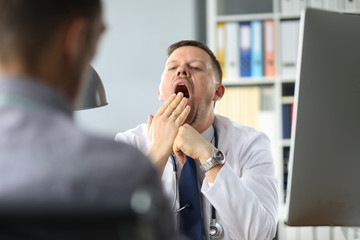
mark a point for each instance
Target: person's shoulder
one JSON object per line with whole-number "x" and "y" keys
{"x": 120, "y": 159}
{"x": 130, "y": 135}
{"x": 135, "y": 136}
{"x": 114, "y": 149}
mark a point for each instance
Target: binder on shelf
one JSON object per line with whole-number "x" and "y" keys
{"x": 316, "y": 3}
{"x": 288, "y": 6}
{"x": 245, "y": 44}
{"x": 256, "y": 52}
{"x": 269, "y": 48}
{"x": 232, "y": 59}
{"x": 287, "y": 101}
{"x": 334, "y": 5}
{"x": 286, "y": 120}
{"x": 289, "y": 44}
{"x": 221, "y": 46}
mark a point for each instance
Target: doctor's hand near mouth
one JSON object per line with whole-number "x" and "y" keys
{"x": 163, "y": 128}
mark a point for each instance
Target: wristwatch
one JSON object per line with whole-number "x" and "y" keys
{"x": 216, "y": 158}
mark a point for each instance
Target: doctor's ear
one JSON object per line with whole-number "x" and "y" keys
{"x": 219, "y": 92}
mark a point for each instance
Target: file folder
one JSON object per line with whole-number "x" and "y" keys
{"x": 289, "y": 44}
{"x": 221, "y": 46}
{"x": 256, "y": 57}
{"x": 232, "y": 61}
{"x": 269, "y": 48}
{"x": 245, "y": 43}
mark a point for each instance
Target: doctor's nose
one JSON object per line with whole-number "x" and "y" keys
{"x": 183, "y": 70}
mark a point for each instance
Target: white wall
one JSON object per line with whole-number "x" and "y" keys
{"x": 131, "y": 56}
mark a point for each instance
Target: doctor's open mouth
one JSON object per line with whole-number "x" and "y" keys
{"x": 182, "y": 85}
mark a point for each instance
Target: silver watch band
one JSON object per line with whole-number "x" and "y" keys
{"x": 206, "y": 166}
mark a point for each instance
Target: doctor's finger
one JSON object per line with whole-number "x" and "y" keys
{"x": 174, "y": 104}
{"x": 150, "y": 128}
{"x": 178, "y": 110}
{"x": 149, "y": 122}
{"x": 166, "y": 104}
{"x": 182, "y": 117}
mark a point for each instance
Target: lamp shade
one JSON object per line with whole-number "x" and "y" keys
{"x": 93, "y": 93}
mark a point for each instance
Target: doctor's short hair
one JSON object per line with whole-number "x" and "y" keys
{"x": 26, "y": 26}
{"x": 215, "y": 63}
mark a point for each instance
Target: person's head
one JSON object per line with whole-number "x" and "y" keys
{"x": 53, "y": 41}
{"x": 192, "y": 68}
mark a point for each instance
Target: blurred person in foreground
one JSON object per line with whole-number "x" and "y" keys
{"x": 232, "y": 168}
{"x": 45, "y": 158}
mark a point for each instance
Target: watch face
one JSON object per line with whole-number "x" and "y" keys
{"x": 219, "y": 156}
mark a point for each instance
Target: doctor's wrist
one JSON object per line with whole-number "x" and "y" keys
{"x": 207, "y": 153}
{"x": 158, "y": 160}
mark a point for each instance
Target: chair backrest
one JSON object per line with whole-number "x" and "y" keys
{"x": 59, "y": 220}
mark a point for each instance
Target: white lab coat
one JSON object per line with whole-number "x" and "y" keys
{"x": 245, "y": 193}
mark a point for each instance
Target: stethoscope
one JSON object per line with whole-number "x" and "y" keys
{"x": 216, "y": 229}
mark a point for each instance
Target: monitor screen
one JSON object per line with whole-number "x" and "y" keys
{"x": 323, "y": 184}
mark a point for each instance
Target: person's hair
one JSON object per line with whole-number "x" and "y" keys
{"x": 26, "y": 26}
{"x": 214, "y": 61}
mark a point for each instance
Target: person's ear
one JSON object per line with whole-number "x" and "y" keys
{"x": 74, "y": 38}
{"x": 219, "y": 92}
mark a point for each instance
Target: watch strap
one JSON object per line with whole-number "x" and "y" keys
{"x": 208, "y": 164}
{"x": 212, "y": 161}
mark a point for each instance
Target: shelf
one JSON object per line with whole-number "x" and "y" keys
{"x": 257, "y": 16}
{"x": 287, "y": 16}
{"x": 244, "y": 17}
{"x": 287, "y": 79}
{"x": 249, "y": 82}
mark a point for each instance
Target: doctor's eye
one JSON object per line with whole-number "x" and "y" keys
{"x": 172, "y": 68}
{"x": 195, "y": 68}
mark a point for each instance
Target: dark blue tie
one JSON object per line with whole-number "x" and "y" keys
{"x": 190, "y": 217}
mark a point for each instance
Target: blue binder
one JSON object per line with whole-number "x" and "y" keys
{"x": 245, "y": 46}
{"x": 256, "y": 56}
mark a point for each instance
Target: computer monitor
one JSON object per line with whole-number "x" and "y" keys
{"x": 324, "y": 165}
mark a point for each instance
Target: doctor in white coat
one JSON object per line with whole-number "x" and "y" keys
{"x": 235, "y": 167}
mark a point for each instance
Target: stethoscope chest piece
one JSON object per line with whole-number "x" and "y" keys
{"x": 216, "y": 230}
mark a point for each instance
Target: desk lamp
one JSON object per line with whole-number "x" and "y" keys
{"x": 93, "y": 93}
